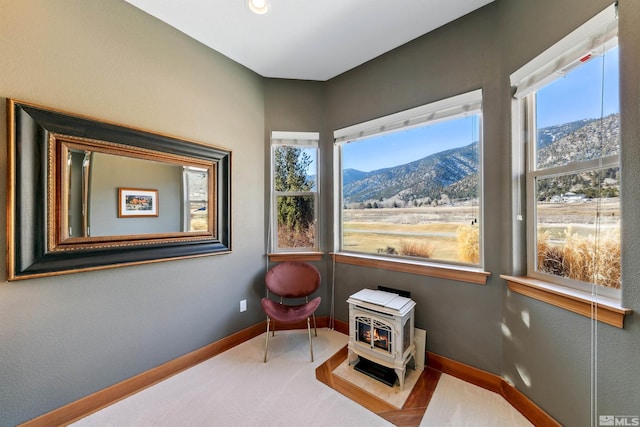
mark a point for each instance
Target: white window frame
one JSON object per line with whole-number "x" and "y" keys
{"x": 186, "y": 190}
{"x": 458, "y": 106}
{"x": 303, "y": 140}
{"x": 559, "y": 59}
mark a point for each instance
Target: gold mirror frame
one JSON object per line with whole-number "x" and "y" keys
{"x": 39, "y": 240}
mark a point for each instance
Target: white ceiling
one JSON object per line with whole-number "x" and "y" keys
{"x": 306, "y": 39}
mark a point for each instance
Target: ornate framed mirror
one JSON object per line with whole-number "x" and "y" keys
{"x": 85, "y": 194}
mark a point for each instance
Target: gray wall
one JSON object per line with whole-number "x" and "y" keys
{"x": 65, "y": 337}
{"x": 109, "y": 172}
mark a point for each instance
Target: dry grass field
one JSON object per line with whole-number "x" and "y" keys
{"x": 375, "y": 230}
{"x": 571, "y": 244}
{"x": 199, "y": 218}
{"x": 577, "y": 218}
{"x": 371, "y": 230}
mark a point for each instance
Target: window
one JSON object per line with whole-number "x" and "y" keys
{"x": 294, "y": 183}
{"x": 568, "y": 104}
{"x": 196, "y": 191}
{"x": 410, "y": 183}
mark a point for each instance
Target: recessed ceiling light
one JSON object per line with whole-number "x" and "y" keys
{"x": 259, "y": 7}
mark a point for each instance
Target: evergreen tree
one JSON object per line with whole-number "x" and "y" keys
{"x": 295, "y": 213}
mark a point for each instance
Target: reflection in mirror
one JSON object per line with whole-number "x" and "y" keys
{"x": 196, "y": 204}
{"x": 91, "y": 176}
{"x": 92, "y": 203}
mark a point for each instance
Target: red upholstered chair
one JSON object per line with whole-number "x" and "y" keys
{"x": 292, "y": 282}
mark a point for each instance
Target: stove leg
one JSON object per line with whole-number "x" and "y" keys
{"x": 400, "y": 373}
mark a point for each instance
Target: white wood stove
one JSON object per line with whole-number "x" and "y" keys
{"x": 381, "y": 330}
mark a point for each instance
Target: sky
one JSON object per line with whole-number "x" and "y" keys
{"x": 404, "y": 146}
{"x": 578, "y": 95}
{"x": 575, "y": 96}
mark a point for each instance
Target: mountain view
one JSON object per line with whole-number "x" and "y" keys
{"x": 577, "y": 141}
{"x": 420, "y": 179}
{"x": 452, "y": 174}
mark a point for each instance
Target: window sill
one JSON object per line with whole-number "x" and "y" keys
{"x": 295, "y": 256}
{"x": 607, "y": 310}
{"x": 461, "y": 274}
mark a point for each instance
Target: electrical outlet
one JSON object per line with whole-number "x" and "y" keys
{"x": 243, "y": 305}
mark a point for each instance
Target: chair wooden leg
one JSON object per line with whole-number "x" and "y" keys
{"x": 266, "y": 345}
{"x": 310, "y": 342}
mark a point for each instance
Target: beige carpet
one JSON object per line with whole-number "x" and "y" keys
{"x": 391, "y": 395}
{"x": 456, "y": 403}
{"x": 236, "y": 388}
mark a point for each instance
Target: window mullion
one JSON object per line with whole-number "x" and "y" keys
{"x": 294, "y": 193}
{"x": 577, "y": 167}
